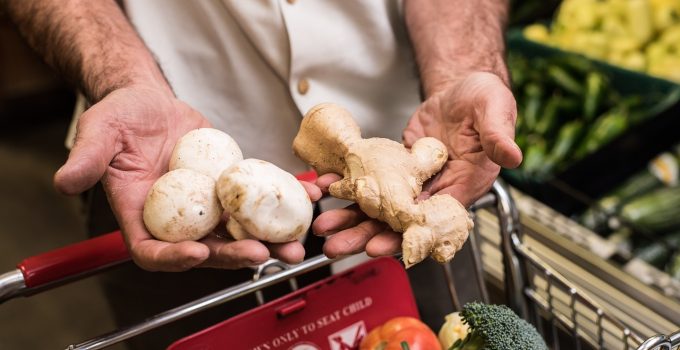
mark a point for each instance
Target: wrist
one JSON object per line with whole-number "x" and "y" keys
{"x": 442, "y": 76}
{"x": 141, "y": 76}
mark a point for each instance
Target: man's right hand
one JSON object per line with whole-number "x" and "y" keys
{"x": 126, "y": 140}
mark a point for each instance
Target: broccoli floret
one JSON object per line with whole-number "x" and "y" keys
{"x": 496, "y": 327}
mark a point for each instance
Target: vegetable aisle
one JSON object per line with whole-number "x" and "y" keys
{"x": 593, "y": 80}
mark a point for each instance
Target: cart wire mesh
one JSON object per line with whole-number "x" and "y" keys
{"x": 565, "y": 316}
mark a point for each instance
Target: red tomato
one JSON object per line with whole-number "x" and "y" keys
{"x": 390, "y": 335}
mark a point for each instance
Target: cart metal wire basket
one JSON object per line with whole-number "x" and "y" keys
{"x": 567, "y": 317}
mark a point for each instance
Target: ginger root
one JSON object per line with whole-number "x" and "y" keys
{"x": 384, "y": 178}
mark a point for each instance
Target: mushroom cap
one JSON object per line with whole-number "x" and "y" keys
{"x": 266, "y": 201}
{"x": 206, "y": 150}
{"x": 182, "y": 205}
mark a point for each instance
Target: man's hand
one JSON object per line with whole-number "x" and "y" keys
{"x": 475, "y": 118}
{"x": 126, "y": 140}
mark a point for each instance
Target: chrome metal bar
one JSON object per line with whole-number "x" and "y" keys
{"x": 11, "y": 284}
{"x": 658, "y": 342}
{"x": 451, "y": 285}
{"x": 477, "y": 263}
{"x": 508, "y": 217}
{"x": 201, "y": 304}
{"x": 675, "y": 338}
{"x": 486, "y": 201}
{"x": 600, "y": 328}
{"x": 261, "y": 271}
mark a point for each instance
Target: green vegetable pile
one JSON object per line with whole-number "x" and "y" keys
{"x": 496, "y": 327}
{"x": 568, "y": 109}
{"x": 643, "y": 214}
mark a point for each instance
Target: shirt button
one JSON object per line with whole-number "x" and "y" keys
{"x": 291, "y": 1}
{"x": 303, "y": 86}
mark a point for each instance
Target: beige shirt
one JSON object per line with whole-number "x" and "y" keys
{"x": 253, "y": 67}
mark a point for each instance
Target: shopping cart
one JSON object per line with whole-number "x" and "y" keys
{"x": 567, "y": 317}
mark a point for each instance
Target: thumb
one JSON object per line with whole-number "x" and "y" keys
{"x": 496, "y": 127}
{"x": 94, "y": 148}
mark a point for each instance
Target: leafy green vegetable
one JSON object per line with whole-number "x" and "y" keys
{"x": 496, "y": 327}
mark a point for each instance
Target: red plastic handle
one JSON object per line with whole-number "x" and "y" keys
{"x": 74, "y": 259}
{"x": 309, "y": 176}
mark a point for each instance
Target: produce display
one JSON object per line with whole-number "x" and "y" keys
{"x": 384, "y": 178}
{"x": 208, "y": 175}
{"x": 568, "y": 109}
{"x": 641, "y": 35}
{"x": 644, "y": 214}
{"x": 490, "y": 327}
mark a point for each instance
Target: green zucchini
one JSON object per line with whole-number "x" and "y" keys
{"x": 638, "y": 184}
{"x": 598, "y": 214}
{"x": 661, "y": 171}
{"x": 655, "y": 212}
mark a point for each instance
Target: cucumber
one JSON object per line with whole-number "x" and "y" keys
{"x": 534, "y": 159}
{"x": 606, "y": 128}
{"x": 563, "y": 80}
{"x": 549, "y": 118}
{"x": 569, "y": 135}
{"x": 595, "y": 86}
{"x": 655, "y": 212}
{"x": 533, "y": 94}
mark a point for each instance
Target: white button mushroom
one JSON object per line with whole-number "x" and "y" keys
{"x": 182, "y": 205}
{"x": 206, "y": 150}
{"x": 265, "y": 201}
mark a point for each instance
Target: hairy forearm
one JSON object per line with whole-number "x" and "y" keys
{"x": 90, "y": 42}
{"x": 454, "y": 37}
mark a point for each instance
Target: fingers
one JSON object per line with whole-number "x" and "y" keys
{"x": 312, "y": 190}
{"x": 324, "y": 181}
{"x": 496, "y": 126}
{"x": 384, "y": 243}
{"x": 94, "y": 148}
{"x": 353, "y": 240}
{"x": 290, "y": 252}
{"x": 335, "y": 220}
{"x": 227, "y": 254}
{"x": 153, "y": 255}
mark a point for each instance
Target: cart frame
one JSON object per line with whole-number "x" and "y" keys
{"x": 522, "y": 270}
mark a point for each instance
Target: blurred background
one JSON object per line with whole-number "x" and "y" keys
{"x": 35, "y": 112}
